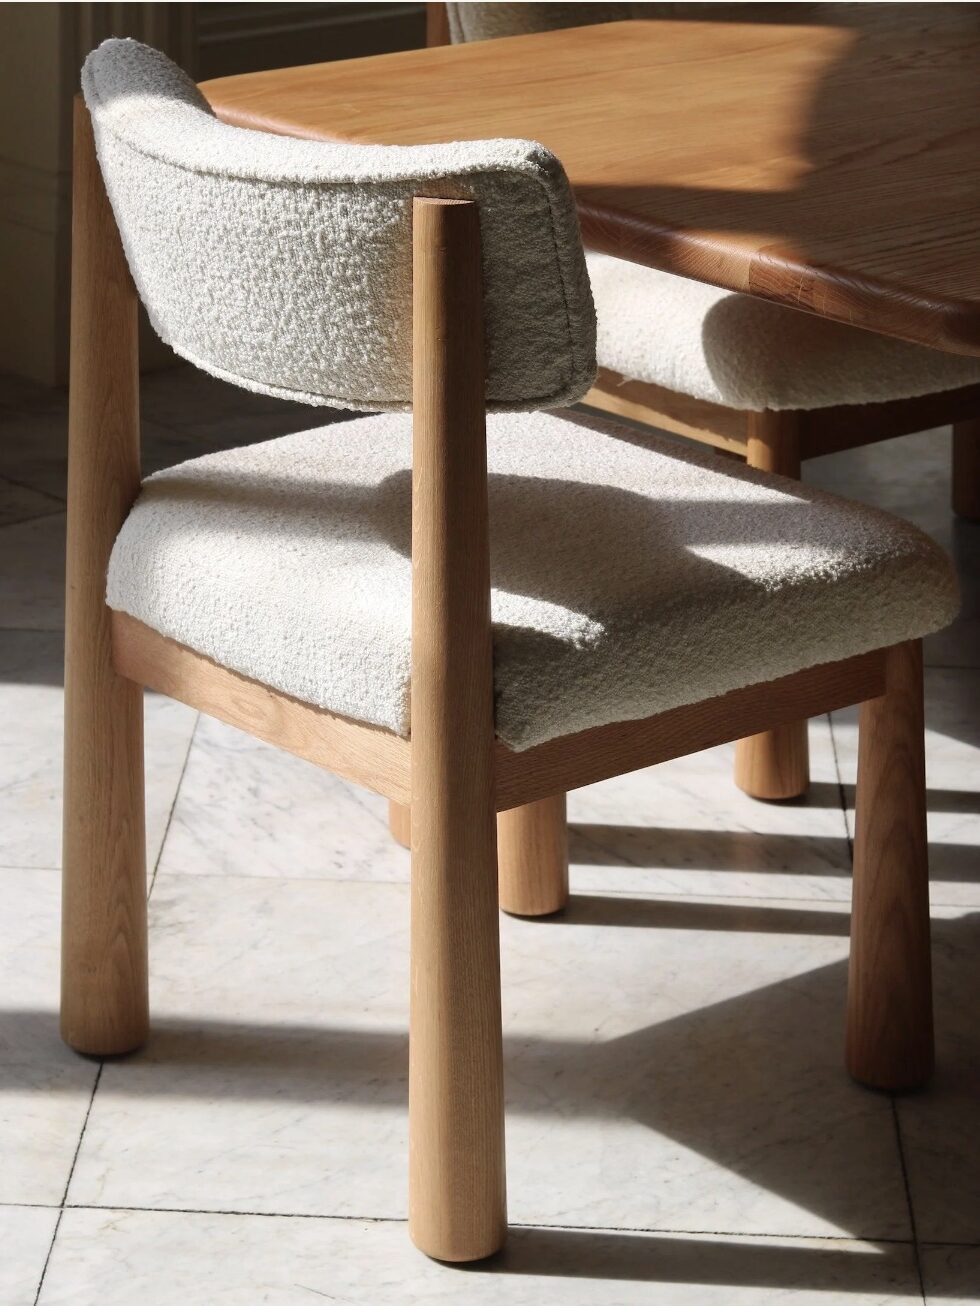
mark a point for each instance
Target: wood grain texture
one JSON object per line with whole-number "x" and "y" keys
{"x": 824, "y": 168}
{"x": 400, "y": 823}
{"x": 966, "y": 469}
{"x": 593, "y": 755}
{"x": 381, "y": 761}
{"x": 366, "y": 754}
{"x": 775, "y": 764}
{"x": 104, "y": 1003}
{"x": 532, "y": 854}
{"x": 532, "y": 858}
{"x": 667, "y": 410}
{"x": 849, "y": 426}
{"x": 819, "y": 430}
{"x": 457, "y": 1208}
{"x": 889, "y": 1005}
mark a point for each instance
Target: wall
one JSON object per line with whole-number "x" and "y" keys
{"x": 42, "y": 47}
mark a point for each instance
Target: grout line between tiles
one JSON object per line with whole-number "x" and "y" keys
{"x": 513, "y": 1224}
{"x": 47, "y": 1259}
{"x": 173, "y": 805}
{"x": 33, "y": 489}
{"x": 71, "y": 1171}
{"x": 840, "y": 789}
{"x": 908, "y": 1196}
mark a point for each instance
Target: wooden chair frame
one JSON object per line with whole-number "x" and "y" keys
{"x": 452, "y": 772}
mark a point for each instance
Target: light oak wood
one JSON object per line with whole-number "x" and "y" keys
{"x": 651, "y": 405}
{"x": 381, "y": 761}
{"x": 966, "y": 468}
{"x": 775, "y": 764}
{"x": 819, "y": 430}
{"x": 573, "y": 761}
{"x": 104, "y": 1004}
{"x": 532, "y": 858}
{"x": 532, "y": 854}
{"x": 889, "y": 1009}
{"x": 777, "y": 159}
{"x": 457, "y": 1208}
{"x": 366, "y": 754}
{"x": 400, "y": 823}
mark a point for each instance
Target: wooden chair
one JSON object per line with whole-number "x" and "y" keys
{"x": 458, "y": 778}
{"x": 778, "y": 438}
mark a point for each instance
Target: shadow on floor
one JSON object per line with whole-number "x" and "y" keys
{"x": 753, "y": 1083}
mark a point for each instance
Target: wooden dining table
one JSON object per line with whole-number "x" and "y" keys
{"x": 832, "y": 169}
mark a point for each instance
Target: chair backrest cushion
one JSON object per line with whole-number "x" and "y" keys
{"x": 285, "y": 265}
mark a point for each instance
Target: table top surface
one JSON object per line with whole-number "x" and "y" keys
{"x": 834, "y": 169}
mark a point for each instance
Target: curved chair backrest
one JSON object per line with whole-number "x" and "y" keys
{"x": 285, "y": 265}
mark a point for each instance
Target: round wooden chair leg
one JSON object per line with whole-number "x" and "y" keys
{"x": 774, "y": 765}
{"x": 104, "y": 1008}
{"x": 400, "y": 823}
{"x": 966, "y": 469}
{"x": 457, "y": 1206}
{"x": 532, "y": 858}
{"x": 104, "y": 986}
{"x": 889, "y": 1007}
{"x": 457, "y": 1201}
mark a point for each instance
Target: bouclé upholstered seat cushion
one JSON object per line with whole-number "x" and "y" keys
{"x": 742, "y": 352}
{"x": 629, "y": 577}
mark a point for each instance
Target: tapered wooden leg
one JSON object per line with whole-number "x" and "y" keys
{"x": 774, "y": 764}
{"x": 400, "y": 823}
{"x": 104, "y": 1005}
{"x": 532, "y": 858}
{"x": 457, "y": 1208}
{"x": 966, "y": 469}
{"x": 889, "y": 1010}
{"x": 532, "y": 854}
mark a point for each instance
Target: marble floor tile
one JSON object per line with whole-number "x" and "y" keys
{"x": 684, "y": 827}
{"x": 45, "y": 1088}
{"x": 20, "y": 503}
{"x": 245, "y": 808}
{"x": 25, "y": 1237}
{"x": 31, "y": 760}
{"x": 32, "y": 574}
{"x": 940, "y": 1126}
{"x": 950, "y": 1273}
{"x": 672, "y": 1063}
{"x": 176, "y": 1259}
{"x": 34, "y": 443}
{"x": 952, "y": 697}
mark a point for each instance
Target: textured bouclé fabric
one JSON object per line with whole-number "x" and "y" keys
{"x": 629, "y": 577}
{"x": 286, "y": 266}
{"x": 740, "y": 351}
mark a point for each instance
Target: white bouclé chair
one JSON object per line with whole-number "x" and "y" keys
{"x": 469, "y": 615}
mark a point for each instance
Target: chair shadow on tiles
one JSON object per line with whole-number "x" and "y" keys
{"x": 647, "y": 847}
{"x": 753, "y": 1084}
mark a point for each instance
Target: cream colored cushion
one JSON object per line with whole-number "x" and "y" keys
{"x": 628, "y": 576}
{"x": 286, "y": 265}
{"x": 743, "y": 352}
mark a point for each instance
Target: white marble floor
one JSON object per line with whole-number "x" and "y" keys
{"x": 680, "y": 1130}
